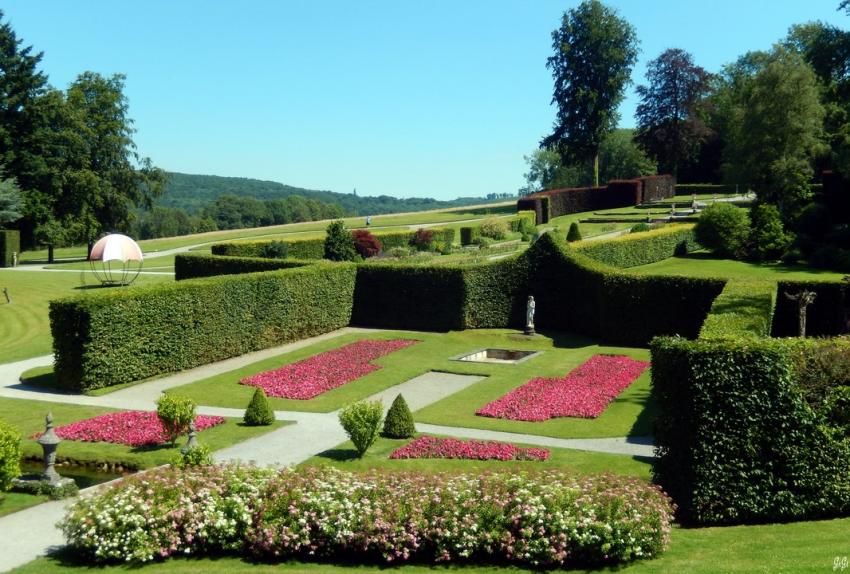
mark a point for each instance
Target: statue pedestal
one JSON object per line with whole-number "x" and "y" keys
{"x": 530, "y": 331}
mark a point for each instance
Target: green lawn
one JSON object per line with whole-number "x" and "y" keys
{"x": 28, "y": 417}
{"x": 630, "y": 414}
{"x": 344, "y": 456}
{"x": 24, "y": 325}
{"x": 800, "y": 548}
{"x": 15, "y": 501}
{"x": 703, "y": 264}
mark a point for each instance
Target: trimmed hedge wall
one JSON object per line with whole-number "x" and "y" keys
{"x": 10, "y": 242}
{"x": 737, "y": 442}
{"x": 124, "y": 335}
{"x": 704, "y": 188}
{"x": 576, "y": 293}
{"x": 657, "y": 187}
{"x": 517, "y": 224}
{"x": 537, "y": 204}
{"x": 468, "y": 235}
{"x": 635, "y": 249}
{"x": 744, "y": 308}
{"x": 192, "y": 266}
{"x": 829, "y": 314}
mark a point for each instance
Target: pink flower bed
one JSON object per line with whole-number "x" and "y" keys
{"x": 133, "y": 428}
{"x": 320, "y": 373}
{"x": 584, "y": 392}
{"x": 433, "y": 447}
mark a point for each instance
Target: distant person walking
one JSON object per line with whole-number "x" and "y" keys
{"x": 368, "y": 220}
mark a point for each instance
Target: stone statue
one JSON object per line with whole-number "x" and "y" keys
{"x": 804, "y": 298}
{"x": 529, "y": 316}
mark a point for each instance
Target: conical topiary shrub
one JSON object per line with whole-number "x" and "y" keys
{"x": 574, "y": 234}
{"x": 258, "y": 413}
{"x": 399, "y": 421}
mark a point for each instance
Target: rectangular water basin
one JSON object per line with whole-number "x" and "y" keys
{"x": 500, "y": 356}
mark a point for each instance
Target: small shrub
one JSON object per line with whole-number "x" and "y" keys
{"x": 526, "y": 225}
{"x": 366, "y": 244}
{"x": 494, "y": 228}
{"x": 422, "y": 239}
{"x": 399, "y": 252}
{"x": 768, "y": 240}
{"x": 258, "y": 413}
{"x": 399, "y": 422}
{"x": 574, "y": 234}
{"x": 526, "y": 237}
{"x": 362, "y": 422}
{"x": 724, "y": 229}
{"x": 640, "y": 228}
{"x": 176, "y": 413}
{"x": 339, "y": 244}
{"x": 274, "y": 250}
{"x": 201, "y": 455}
{"x": 10, "y": 455}
{"x": 484, "y": 242}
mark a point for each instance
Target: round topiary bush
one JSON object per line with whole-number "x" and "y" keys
{"x": 176, "y": 413}
{"x": 574, "y": 234}
{"x": 724, "y": 229}
{"x": 399, "y": 421}
{"x": 494, "y": 228}
{"x": 10, "y": 455}
{"x": 640, "y": 228}
{"x": 362, "y": 422}
{"x": 366, "y": 244}
{"x": 258, "y": 413}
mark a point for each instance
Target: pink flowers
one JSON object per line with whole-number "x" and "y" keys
{"x": 433, "y": 447}
{"x": 133, "y": 428}
{"x": 585, "y": 392}
{"x": 311, "y": 377}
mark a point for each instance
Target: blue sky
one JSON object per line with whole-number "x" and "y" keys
{"x": 438, "y": 98}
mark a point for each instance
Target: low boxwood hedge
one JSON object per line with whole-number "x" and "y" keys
{"x": 737, "y": 441}
{"x": 632, "y": 250}
{"x": 297, "y": 248}
{"x": 192, "y": 266}
{"x": 125, "y": 335}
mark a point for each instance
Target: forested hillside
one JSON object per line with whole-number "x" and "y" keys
{"x": 194, "y": 192}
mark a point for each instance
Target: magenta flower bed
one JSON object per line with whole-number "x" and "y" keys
{"x": 320, "y": 373}
{"x": 585, "y": 392}
{"x": 133, "y": 428}
{"x": 433, "y": 447}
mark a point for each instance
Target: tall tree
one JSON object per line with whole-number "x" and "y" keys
{"x": 775, "y": 124}
{"x": 10, "y": 202}
{"x": 595, "y": 51}
{"x": 671, "y": 126}
{"x": 114, "y": 178}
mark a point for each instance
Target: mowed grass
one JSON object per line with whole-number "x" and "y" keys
{"x": 702, "y": 264}
{"x": 580, "y": 462}
{"x": 630, "y": 414}
{"x": 14, "y": 501}
{"x": 799, "y": 548}
{"x": 24, "y": 324}
{"x": 28, "y": 418}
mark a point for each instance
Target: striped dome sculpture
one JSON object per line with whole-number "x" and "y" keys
{"x": 116, "y": 260}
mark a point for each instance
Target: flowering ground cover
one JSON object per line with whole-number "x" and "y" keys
{"x": 531, "y": 519}
{"x": 584, "y": 392}
{"x": 131, "y": 428}
{"x": 435, "y": 447}
{"x": 320, "y": 373}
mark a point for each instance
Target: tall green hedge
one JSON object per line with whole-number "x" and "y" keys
{"x": 10, "y": 242}
{"x": 192, "y": 266}
{"x": 129, "y": 334}
{"x": 636, "y": 249}
{"x": 737, "y": 442}
{"x": 743, "y": 308}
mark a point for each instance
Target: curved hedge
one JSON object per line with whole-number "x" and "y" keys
{"x": 192, "y": 266}
{"x": 635, "y": 249}
{"x": 125, "y": 335}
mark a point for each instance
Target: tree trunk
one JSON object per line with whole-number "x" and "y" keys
{"x": 596, "y": 170}
{"x": 50, "y": 253}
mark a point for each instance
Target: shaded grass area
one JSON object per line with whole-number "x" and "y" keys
{"x": 802, "y": 547}
{"x": 28, "y": 417}
{"x": 14, "y": 501}
{"x": 630, "y": 414}
{"x": 580, "y": 462}
{"x": 24, "y": 324}
{"x": 702, "y": 264}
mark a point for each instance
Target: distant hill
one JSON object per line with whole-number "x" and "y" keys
{"x": 193, "y": 192}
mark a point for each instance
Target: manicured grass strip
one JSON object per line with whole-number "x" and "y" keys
{"x": 28, "y": 417}
{"x": 800, "y": 547}
{"x": 24, "y": 324}
{"x": 707, "y": 265}
{"x": 14, "y": 501}
{"x": 584, "y": 392}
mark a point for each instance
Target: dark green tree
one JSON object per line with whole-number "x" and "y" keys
{"x": 258, "y": 413}
{"x": 671, "y": 126}
{"x": 339, "y": 244}
{"x": 595, "y": 50}
{"x": 10, "y": 202}
{"x": 574, "y": 233}
{"x": 399, "y": 421}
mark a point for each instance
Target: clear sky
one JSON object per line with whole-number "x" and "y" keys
{"x": 438, "y": 98}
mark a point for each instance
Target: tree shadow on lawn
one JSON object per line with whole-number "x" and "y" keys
{"x": 339, "y": 454}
